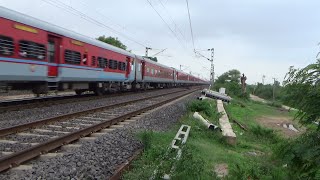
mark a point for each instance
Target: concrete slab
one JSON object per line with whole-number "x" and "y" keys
{"x": 124, "y": 123}
{"x": 32, "y": 144}
{"x": 285, "y": 126}
{"x": 135, "y": 118}
{"x": 54, "y": 126}
{"x": 31, "y": 134}
{"x": 107, "y": 130}
{"x": 130, "y": 120}
{"x": 42, "y": 130}
{"x": 61, "y": 132}
{"x": 70, "y": 146}
{"x": 117, "y": 126}
{"x": 90, "y": 138}
{"x": 225, "y": 125}
{"x": 8, "y": 141}
{"x": 72, "y": 128}
{"x": 80, "y": 124}
{"x": 98, "y": 134}
{"x": 50, "y": 155}
{"x": 88, "y": 121}
{"x": 6, "y": 153}
{"x": 22, "y": 167}
{"x": 94, "y": 118}
{"x": 291, "y": 127}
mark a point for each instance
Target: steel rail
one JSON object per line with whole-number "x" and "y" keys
{"x": 11, "y": 105}
{"x": 17, "y": 158}
{"x": 23, "y": 127}
{"x": 27, "y": 103}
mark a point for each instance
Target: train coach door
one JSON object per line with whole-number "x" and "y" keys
{"x": 143, "y": 64}
{"x": 53, "y": 55}
{"x": 128, "y": 68}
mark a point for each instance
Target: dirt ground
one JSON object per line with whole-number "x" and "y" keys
{"x": 277, "y": 123}
{"x": 256, "y": 98}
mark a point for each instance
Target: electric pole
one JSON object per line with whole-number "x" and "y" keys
{"x": 273, "y": 89}
{"x": 212, "y": 67}
{"x": 147, "y": 49}
{"x": 263, "y": 76}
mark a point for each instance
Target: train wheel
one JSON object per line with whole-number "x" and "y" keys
{"x": 99, "y": 92}
{"x": 78, "y": 92}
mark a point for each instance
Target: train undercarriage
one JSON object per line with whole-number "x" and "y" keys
{"x": 99, "y": 88}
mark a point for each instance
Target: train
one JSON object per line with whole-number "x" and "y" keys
{"x": 42, "y": 57}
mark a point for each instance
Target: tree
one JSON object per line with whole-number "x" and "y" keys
{"x": 231, "y": 81}
{"x": 302, "y": 91}
{"x": 112, "y": 41}
{"x": 265, "y": 91}
{"x": 155, "y": 59}
{"x": 230, "y": 76}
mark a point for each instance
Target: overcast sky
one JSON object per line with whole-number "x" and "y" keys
{"x": 258, "y": 38}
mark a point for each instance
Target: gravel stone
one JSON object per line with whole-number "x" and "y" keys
{"x": 9, "y": 119}
{"x": 100, "y": 158}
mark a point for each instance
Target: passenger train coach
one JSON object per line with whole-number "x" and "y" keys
{"x": 40, "y": 56}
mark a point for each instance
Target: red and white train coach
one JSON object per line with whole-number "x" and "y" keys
{"x": 40, "y": 56}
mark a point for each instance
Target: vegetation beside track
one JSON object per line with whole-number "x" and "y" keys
{"x": 256, "y": 155}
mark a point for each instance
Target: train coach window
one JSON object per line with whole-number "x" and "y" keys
{"x": 93, "y": 61}
{"x": 33, "y": 50}
{"x": 121, "y": 66}
{"x": 102, "y": 62}
{"x": 6, "y": 45}
{"x": 85, "y": 59}
{"x": 72, "y": 57}
{"x": 113, "y": 64}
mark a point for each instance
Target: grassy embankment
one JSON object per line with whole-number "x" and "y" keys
{"x": 252, "y": 157}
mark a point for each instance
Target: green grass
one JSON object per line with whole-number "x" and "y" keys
{"x": 205, "y": 149}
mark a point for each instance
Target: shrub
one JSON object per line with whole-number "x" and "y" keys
{"x": 189, "y": 166}
{"x": 302, "y": 155}
{"x": 265, "y": 133}
{"x": 203, "y": 106}
{"x": 254, "y": 170}
{"x": 146, "y": 138}
{"x": 275, "y": 104}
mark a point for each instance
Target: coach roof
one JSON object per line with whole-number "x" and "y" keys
{"x": 28, "y": 20}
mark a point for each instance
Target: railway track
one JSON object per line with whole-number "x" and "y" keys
{"x": 16, "y": 104}
{"x": 24, "y": 142}
{"x": 29, "y": 103}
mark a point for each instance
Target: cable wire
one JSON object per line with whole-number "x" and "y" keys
{"x": 190, "y": 25}
{"x": 174, "y": 34}
{"x": 175, "y": 24}
{"x": 84, "y": 16}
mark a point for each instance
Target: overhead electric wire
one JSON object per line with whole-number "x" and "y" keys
{"x": 175, "y": 24}
{"x": 84, "y": 16}
{"x": 98, "y": 12}
{"x": 190, "y": 26}
{"x": 121, "y": 27}
{"x": 174, "y": 34}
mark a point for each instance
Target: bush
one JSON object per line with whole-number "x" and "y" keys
{"x": 189, "y": 166}
{"x": 209, "y": 109}
{"x": 265, "y": 133}
{"x": 254, "y": 170}
{"x": 146, "y": 138}
{"x": 275, "y": 104}
{"x": 302, "y": 155}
